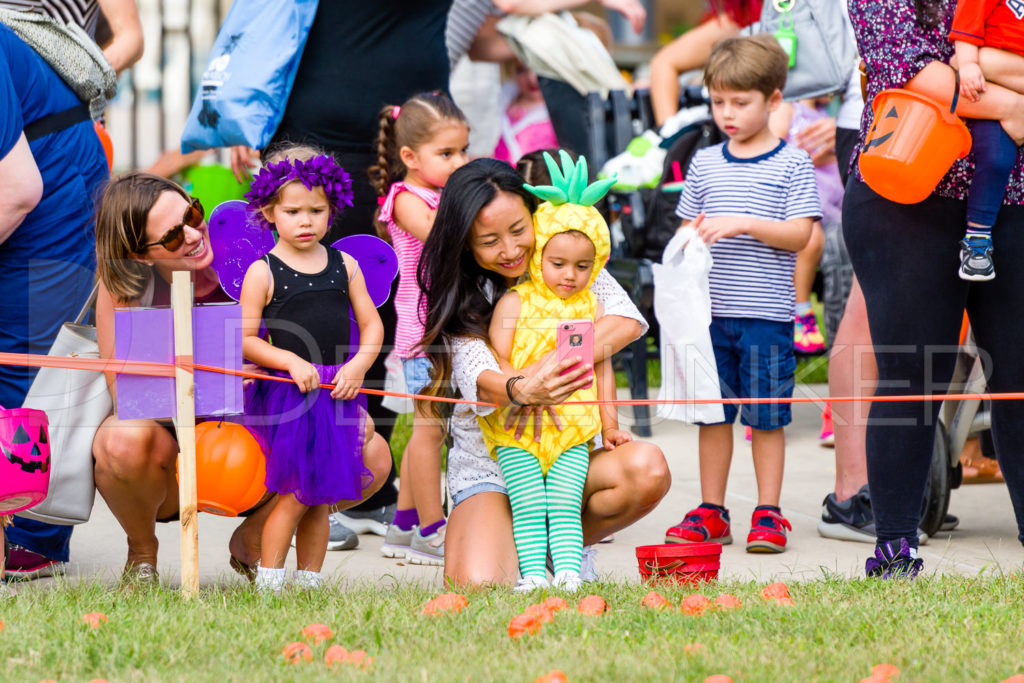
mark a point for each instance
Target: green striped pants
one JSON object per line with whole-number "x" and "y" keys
{"x": 543, "y": 507}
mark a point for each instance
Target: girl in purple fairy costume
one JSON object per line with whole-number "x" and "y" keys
{"x": 302, "y": 292}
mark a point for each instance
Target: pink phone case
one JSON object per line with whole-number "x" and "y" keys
{"x": 576, "y": 338}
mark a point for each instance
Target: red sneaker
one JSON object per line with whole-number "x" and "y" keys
{"x": 767, "y": 532}
{"x": 25, "y": 564}
{"x": 701, "y": 524}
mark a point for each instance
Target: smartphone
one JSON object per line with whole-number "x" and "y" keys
{"x": 576, "y": 338}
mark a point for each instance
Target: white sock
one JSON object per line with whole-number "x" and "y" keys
{"x": 269, "y": 580}
{"x": 307, "y": 580}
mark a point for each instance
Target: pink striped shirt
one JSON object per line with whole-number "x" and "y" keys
{"x": 410, "y": 306}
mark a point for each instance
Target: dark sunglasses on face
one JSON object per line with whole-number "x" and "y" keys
{"x": 175, "y": 237}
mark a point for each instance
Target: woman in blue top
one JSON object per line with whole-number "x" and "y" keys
{"x": 50, "y": 173}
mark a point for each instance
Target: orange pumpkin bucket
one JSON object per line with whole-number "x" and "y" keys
{"x": 911, "y": 144}
{"x": 682, "y": 562}
{"x": 230, "y": 469}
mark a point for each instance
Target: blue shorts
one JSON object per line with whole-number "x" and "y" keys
{"x": 483, "y": 487}
{"x": 417, "y": 374}
{"x": 755, "y": 360}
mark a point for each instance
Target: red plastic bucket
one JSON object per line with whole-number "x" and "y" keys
{"x": 680, "y": 562}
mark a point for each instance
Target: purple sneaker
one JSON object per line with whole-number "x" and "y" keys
{"x": 889, "y": 563}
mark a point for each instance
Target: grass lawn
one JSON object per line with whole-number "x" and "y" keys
{"x": 935, "y": 629}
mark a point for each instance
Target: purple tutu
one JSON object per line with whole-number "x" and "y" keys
{"x": 313, "y": 443}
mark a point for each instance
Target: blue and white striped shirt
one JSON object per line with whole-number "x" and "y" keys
{"x": 750, "y": 279}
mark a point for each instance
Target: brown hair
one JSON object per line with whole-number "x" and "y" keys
{"x": 748, "y": 63}
{"x": 292, "y": 152}
{"x": 121, "y": 229}
{"x": 532, "y": 168}
{"x": 417, "y": 120}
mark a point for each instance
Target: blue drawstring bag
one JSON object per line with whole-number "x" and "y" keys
{"x": 245, "y": 87}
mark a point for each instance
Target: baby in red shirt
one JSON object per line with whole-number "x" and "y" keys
{"x": 988, "y": 36}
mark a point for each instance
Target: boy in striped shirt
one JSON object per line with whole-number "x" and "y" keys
{"x": 753, "y": 200}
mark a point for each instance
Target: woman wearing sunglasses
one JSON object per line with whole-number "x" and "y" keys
{"x": 147, "y": 227}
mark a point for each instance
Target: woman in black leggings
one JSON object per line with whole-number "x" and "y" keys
{"x": 905, "y": 259}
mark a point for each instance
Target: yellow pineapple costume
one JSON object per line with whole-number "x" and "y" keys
{"x": 568, "y": 207}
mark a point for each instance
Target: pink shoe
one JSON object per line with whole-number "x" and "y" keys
{"x": 807, "y": 339}
{"x": 827, "y": 438}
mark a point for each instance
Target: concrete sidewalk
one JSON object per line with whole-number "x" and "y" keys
{"x": 986, "y": 540}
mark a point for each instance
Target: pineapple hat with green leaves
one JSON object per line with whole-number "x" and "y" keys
{"x": 569, "y": 205}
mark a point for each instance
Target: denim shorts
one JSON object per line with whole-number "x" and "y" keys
{"x": 484, "y": 486}
{"x": 755, "y": 360}
{"x": 417, "y": 374}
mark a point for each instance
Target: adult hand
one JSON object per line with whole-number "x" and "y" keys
{"x": 548, "y": 386}
{"x": 633, "y": 11}
{"x": 243, "y": 158}
{"x": 972, "y": 81}
{"x": 713, "y": 229}
{"x": 819, "y": 140}
{"x": 520, "y": 416}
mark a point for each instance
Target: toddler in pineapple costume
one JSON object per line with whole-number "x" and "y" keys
{"x": 545, "y": 472}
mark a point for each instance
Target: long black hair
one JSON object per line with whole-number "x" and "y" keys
{"x": 453, "y": 283}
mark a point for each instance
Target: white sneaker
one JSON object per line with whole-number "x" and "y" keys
{"x": 307, "y": 581}
{"x": 568, "y": 581}
{"x": 588, "y": 570}
{"x": 529, "y": 584}
{"x": 397, "y": 542}
{"x": 270, "y": 581}
{"x": 427, "y": 550}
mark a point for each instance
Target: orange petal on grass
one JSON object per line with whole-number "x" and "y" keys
{"x": 523, "y": 624}
{"x": 446, "y": 602}
{"x": 728, "y": 601}
{"x": 875, "y": 679}
{"x": 694, "y": 648}
{"x": 1018, "y": 678}
{"x": 553, "y": 676}
{"x": 297, "y": 652}
{"x": 1, "y": 626}
{"x": 94, "y": 619}
{"x": 695, "y": 604}
{"x": 885, "y": 670}
{"x": 99, "y": 680}
{"x": 359, "y": 658}
{"x": 335, "y": 654}
{"x": 785, "y": 601}
{"x": 592, "y": 606}
{"x": 542, "y": 613}
{"x": 718, "y": 678}
{"x": 775, "y": 590}
{"x": 554, "y": 604}
{"x": 654, "y": 600}
{"x": 318, "y": 633}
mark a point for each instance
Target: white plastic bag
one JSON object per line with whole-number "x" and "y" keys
{"x": 394, "y": 382}
{"x": 682, "y": 304}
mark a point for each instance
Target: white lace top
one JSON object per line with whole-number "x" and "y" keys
{"x": 469, "y": 463}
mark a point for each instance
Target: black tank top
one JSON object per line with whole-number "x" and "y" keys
{"x": 309, "y": 313}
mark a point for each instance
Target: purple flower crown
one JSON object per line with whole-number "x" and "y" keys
{"x": 320, "y": 171}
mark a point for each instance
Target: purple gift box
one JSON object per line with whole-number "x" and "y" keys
{"x": 147, "y": 334}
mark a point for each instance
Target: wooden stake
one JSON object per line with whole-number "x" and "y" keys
{"x": 185, "y": 424}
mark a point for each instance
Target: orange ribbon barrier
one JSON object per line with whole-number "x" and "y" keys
{"x": 131, "y": 367}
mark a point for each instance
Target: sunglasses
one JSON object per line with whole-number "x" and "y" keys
{"x": 175, "y": 237}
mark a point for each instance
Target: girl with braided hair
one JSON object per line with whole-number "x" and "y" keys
{"x": 419, "y": 145}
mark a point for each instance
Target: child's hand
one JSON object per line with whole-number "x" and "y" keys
{"x": 972, "y": 81}
{"x": 615, "y": 437}
{"x": 305, "y": 375}
{"x": 713, "y": 229}
{"x": 347, "y": 382}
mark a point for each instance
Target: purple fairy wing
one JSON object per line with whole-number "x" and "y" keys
{"x": 236, "y": 242}
{"x": 379, "y": 263}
